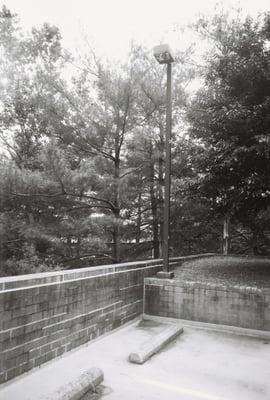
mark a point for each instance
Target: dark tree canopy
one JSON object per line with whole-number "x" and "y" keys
{"x": 231, "y": 116}
{"x": 82, "y": 172}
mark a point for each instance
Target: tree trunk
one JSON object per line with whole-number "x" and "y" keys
{"x": 116, "y": 241}
{"x": 139, "y": 219}
{"x": 189, "y": 247}
{"x": 116, "y": 211}
{"x": 154, "y": 209}
{"x": 226, "y": 235}
{"x": 255, "y": 242}
{"x": 69, "y": 247}
{"x": 78, "y": 246}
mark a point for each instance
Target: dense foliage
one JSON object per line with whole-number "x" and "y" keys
{"x": 82, "y": 167}
{"x": 231, "y": 118}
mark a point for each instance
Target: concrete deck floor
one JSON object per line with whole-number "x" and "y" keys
{"x": 199, "y": 364}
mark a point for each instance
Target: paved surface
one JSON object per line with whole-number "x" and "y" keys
{"x": 197, "y": 365}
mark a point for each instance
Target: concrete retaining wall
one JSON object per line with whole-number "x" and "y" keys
{"x": 240, "y": 306}
{"x": 44, "y": 315}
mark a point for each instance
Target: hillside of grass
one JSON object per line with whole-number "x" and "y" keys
{"x": 227, "y": 270}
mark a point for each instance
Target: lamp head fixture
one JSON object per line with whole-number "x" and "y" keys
{"x": 163, "y": 54}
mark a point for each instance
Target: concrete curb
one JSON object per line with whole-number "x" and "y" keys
{"x": 81, "y": 385}
{"x": 264, "y": 335}
{"x": 152, "y": 347}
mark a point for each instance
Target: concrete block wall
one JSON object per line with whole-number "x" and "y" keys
{"x": 247, "y": 307}
{"x": 45, "y": 315}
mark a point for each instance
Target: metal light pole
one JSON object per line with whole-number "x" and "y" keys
{"x": 163, "y": 55}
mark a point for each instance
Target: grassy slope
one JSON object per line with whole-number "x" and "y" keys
{"x": 227, "y": 270}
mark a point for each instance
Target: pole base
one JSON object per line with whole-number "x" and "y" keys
{"x": 165, "y": 274}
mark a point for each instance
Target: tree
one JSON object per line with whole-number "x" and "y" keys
{"x": 82, "y": 176}
{"x": 146, "y": 147}
{"x": 26, "y": 62}
{"x": 230, "y": 116}
{"x": 95, "y": 118}
{"x": 30, "y": 210}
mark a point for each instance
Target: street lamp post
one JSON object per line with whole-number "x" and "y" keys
{"x": 164, "y": 55}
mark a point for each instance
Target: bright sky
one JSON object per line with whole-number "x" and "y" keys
{"x": 110, "y": 25}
